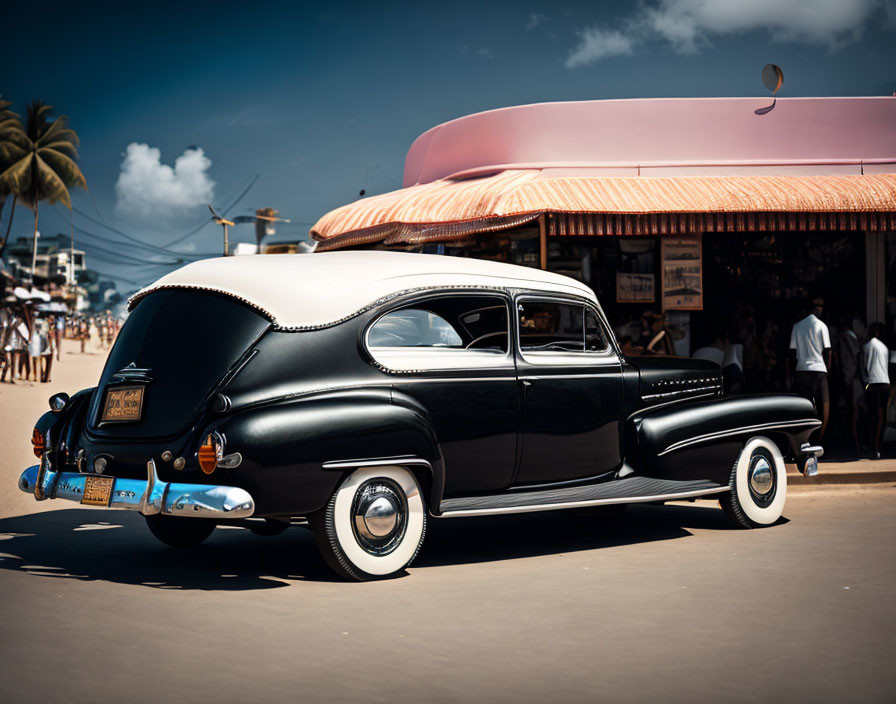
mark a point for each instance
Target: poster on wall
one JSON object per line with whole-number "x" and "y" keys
{"x": 682, "y": 273}
{"x": 635, "y": 288}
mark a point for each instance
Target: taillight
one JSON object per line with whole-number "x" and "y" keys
{"x": 210, "y": 452}
{"x": 38, "y": 442}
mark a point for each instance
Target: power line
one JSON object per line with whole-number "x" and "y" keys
{"x": 223, "y": 212}
{"x": 156, "y": 250}
{"x": 104, "y": 223}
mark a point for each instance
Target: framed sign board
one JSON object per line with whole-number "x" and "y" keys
{"x": 681, "y": 264}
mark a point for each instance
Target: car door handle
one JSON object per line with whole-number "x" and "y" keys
{"x": 527, "y": 383}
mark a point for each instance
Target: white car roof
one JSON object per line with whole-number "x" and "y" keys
{"x": 306, "y": 291}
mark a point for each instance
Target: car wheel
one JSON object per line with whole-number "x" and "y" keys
{"x": 178, "y": 531}
{"x": 373, "y": 525}
{"x": 758, "y": 485}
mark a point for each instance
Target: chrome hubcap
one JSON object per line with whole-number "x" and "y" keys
{"x": 760, "y": 476}
{"x": 379, "y": 516}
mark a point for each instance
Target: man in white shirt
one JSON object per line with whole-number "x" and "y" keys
{"x": 810, "y": 359}
{"x": 875, "y": 358}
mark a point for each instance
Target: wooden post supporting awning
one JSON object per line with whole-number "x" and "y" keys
{"x": 454, "y": 209}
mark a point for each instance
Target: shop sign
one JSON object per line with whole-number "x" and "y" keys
{"x": 682, "y": 273}
{"x": 635, "y": 288}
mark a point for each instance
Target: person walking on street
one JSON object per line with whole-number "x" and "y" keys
{"x": 810, "y": 359}
{"x": 58, "y": 333}
{"x": 849, "y": 364}
{"x": 875, "y": 358}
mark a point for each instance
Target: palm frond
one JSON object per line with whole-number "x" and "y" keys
{"x": 63, "y": 166}
{"x": 65, "y": 147}
{"x": 18, "y": 177}
{"x": 58, "y": 131}
{"x": 50, "y": 185}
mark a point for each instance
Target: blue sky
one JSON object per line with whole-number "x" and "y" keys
{"x": 322, "y": 101}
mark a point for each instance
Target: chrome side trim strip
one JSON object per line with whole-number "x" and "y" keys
{"x": 379, "y": 462}
{"x": 684, "y": 392}
{"x": 582, "y": 504}
{"x": 737, "y": 431}
{"x": 416, "y": 379}
{"x": 548, "y": 377}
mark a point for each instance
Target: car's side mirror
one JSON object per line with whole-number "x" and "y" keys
{"x": 58, "y": 402}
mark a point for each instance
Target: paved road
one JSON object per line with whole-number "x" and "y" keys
{"x": 663, "y": 603}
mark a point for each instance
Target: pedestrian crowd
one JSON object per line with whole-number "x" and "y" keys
{"x": 845, "y": 369}
{"x": 31, "y": 338}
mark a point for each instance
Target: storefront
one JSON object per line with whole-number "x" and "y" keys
{"x": 725, "y": 217}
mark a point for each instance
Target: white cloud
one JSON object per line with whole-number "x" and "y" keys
{"x": 534, "y": 20}
{"x": 687, "y": 26}
{"x": 148, "y": 188}
{"x": 596, "y": 44}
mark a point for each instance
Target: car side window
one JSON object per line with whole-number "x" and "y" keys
{"x": 412, "y": 327}
{"x": 595, "y": 336}
{"x": 551, "y": 327}
{"x": 460, "y": 331}
{"x": 547, "y": 326}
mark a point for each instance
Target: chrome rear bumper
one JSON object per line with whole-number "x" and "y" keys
{"x": 148, "y": 496}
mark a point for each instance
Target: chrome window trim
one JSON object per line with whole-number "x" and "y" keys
{"x": 585, "y": 358}
{"x": 582, "y": 504}
{"x": 737, "y": 431}
{"x": 502, "y": 362}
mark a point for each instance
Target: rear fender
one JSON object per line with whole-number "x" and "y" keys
{"x": 702, "y": 439}
{"x": 296, "y": 453}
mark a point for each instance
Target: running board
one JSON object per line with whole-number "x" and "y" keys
{"x": 619, "y": 491}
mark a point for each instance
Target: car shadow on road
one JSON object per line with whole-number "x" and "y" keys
{"x": 527, "y": 535}
{"x": 117, "y": 547}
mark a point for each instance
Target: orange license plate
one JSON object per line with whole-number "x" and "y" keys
{"x": 123, "y": 403}
{"x": 97, "y": 490}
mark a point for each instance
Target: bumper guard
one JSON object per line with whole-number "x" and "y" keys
{"x": 148, "y": 496}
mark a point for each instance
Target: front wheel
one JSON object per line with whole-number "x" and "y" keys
{"x": 179, "y": 531}
{"x": 373, "y": 525}
{"x": 758, "y": 485}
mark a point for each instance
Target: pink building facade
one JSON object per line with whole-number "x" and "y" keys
{"x": 723, "y": 214}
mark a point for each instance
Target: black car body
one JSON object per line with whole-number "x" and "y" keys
{"x": 366, "y": 391}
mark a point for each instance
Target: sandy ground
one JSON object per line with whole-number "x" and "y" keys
{"x": 658, "y": 603}
{"x": 21, "y": 404}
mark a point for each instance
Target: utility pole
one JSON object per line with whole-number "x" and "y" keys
{"x": 224, "y": 223}
{"x": 71, "y": 254}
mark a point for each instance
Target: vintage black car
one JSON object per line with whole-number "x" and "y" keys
{"x": 364, "y": 392}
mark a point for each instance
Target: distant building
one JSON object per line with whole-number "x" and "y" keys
{"x": 56, "y": 260}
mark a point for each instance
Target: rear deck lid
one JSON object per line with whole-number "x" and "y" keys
{"x": 172, "y": 353}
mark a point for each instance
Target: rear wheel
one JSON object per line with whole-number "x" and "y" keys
{"x": 373, "y": 525}
{"x": 758, "y": 485}
{"x": 178, "y": 531}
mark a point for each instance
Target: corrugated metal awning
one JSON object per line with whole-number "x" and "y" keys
{"x": 451, "y": 209}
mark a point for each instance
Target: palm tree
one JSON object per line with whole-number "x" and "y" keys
{"x": 43, "y": 162}
{"x": 10, "y": 131}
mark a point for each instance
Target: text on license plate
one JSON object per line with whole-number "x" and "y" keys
{"x": 123, "y": 403}
{"x": 97, "y": 491}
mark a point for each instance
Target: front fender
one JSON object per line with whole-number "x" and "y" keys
{"x": 702, "y": 439}
{"x": 284, "y": 446}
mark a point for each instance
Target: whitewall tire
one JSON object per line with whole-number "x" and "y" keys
{"x": 758, "y": 485}
{"x": 373, "y": 525}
